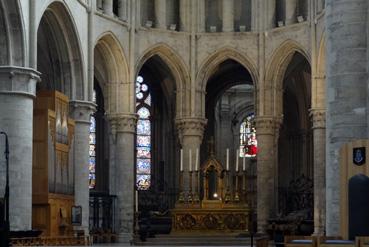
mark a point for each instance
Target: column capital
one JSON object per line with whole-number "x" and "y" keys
{"x": 123, "y": 122}
{"x": 191, "y": 126}
{"x": 318, "y": 118}
{"x": 18, "y": 80}
{"x": 81, "y": 110}
{"x": 267, "y": 125}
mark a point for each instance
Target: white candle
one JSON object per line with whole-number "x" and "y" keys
{"x": 227, "y": 161}
{"x": 244, "y": 163}
{"x": 197, "y": 160}
{"x": 136, "y": 195}
{"x": 237, "y": 154}
{"x": 190, "y": 160}
{"x": 181, "y": 162}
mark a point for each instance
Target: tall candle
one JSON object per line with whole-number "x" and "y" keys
{"x": 181, "y": 162}
{"x": 244, "y": 163}
{"x": 197, "y": 160}
{"x": 237, "y": 158}
{"x": 136, "y": 195}
{"x": 227, "y": 161}
{"x": 190, "y": 160}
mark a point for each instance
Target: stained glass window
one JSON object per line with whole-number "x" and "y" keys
{"x": 143, "y": 141}
{"x": 248, "y": 141}
{"x": 92, "y": 152}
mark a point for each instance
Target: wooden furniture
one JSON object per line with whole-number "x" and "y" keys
{"x": 52, "y": 166}
{"x": 363, "y": 241}
{"x": 300, "y": 241}
{"x": 354, "y": 209}
{"x": 336, "y": 241}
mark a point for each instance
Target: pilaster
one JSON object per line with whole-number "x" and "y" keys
{"x": 160, "y": 13}
{"x": 290, "y": 11}
{"x": 17, "y": 91}
{"x": 228, "y": 15}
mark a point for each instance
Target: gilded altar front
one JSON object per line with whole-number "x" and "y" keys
{"x": 222, "y": 206}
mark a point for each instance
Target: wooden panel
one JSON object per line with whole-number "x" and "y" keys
{"x": 347, "y": 170}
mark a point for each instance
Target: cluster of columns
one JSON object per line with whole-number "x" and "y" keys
{"x": 107, "y": 7}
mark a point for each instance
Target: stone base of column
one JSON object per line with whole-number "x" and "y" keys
{"x": 125, "y": 238}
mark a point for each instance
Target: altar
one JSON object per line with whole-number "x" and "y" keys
{"x": 219, "y": 205}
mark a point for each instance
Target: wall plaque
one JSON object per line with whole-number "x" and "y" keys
{"x": 358, "y": 156}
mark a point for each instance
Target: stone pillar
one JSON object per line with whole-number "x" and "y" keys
{"x": 190, "y": 132}
{"x": 108, "y": 7}
{"x": 266, "y": 134}
{"x": 270, "y": 21}
{"x": 161, "y": 14}
{"x": 346, "y": 95}
{"x": 228, "y": 15}
{"x": 17, "y": 91}
{"x": 99, "y": 4}
{"x": 318, "y": 119}
{"x": 201, "y": 15}
{"x": 184, "y": 6}
{"x": 290, "y": 11}
{"x": 123, "y": 128}
{"x": 123, "y": 10}
{"x": 81, "y": 112}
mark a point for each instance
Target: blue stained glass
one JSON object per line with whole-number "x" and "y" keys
{"x": 143, "y": 112}
{"x": 143, "y": 127}
{"x": 143, "y": 166}
{"x": 148, "y": 100}
{"x": 92, "y": 150}
{"x": 143, "y": 141}
{"x": 93, "y": 124}
{"x": 139, "y": 95}
{"x": 92, "y": 138}
{"x": 140, "y": 79}
{"x": 144, "y": 88}
{"x": 143, "y": 152}
{"x": 143, "y": 181}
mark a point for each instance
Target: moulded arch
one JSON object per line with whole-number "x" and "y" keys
{"x": 211, "y": 63}
{"x": 276, "y": 70}
{"x": 114, "y": 74}
{"x": 61, "y": 21}
{"x": 178, "y": 69}
{"x": 12, "y": 38}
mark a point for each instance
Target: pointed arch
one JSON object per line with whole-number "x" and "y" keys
{"x": 58, "y": 23}
{"x": 111, "y": 71}
{"x": 12, "y": 38}
{"x": 178, "y": 69}
{"x": 275, "y": 72}
{"x": 225, "y": 53}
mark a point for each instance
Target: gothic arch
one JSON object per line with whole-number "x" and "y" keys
{"x": 179, "y": 71}
{"x": 111, "y": 71}
{"x": 276, "y": 70}
{"x": 211, "y": 64}
{"x": 11, "y": 34}
{"x": 58, "y": 29}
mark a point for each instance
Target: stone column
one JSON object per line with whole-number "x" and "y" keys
{"x": 318, "y": 119}
{"x": 123, "y": 10}
{"x": 17, "y": 91}
{"x": 266, "y": 134}
{"x": 184, "y": 7}
{"x": 201, "y": 15}
{"x": 161, "y": 14}
{"x": 108, "y": 7}
{"x": 99, "y": 4}
{"x": 271, "y": 10}
{"x": 290, "y": 11}
{"x": 123, "y": 128}
{"x": 190, "y": 132}
{"x": 228, "y": 15}
{"x": 346, "y": 95}
{"x": 81, "y": 112}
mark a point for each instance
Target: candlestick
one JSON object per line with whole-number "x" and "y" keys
{"x": 181, "y": 162}
{"x": 190, "y": 160}
{"x": 227, "y": 161}
{"x": 237, "y": 154}
{"x": 244, "y": 163}
{"x": 136, "y": 199}
{"x": 197, "y": 160}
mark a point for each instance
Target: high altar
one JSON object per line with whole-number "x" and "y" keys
{"x": 219, "y": 206}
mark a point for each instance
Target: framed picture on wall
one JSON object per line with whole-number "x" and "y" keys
{"x": 76, "y": 215}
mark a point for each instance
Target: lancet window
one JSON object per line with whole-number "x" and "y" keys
{"x": 248, "y": 141}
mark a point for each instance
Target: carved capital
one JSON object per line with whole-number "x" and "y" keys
{"x": 80, "y": 111}
{"x": 191, "y": 126}
{"x": 123, "y": 123}
{"x": 18, "y": 80}
{"x": 317, "y": 118}
{"x": 267, "y": 125}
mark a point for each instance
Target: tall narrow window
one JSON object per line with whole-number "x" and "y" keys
{"x": 248, "y": 141}
{"x": 92, "y": 150}
{"x": 143, "y": 143}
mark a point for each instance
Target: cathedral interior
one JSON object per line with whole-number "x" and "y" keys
{"x": 122, "y": 120}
